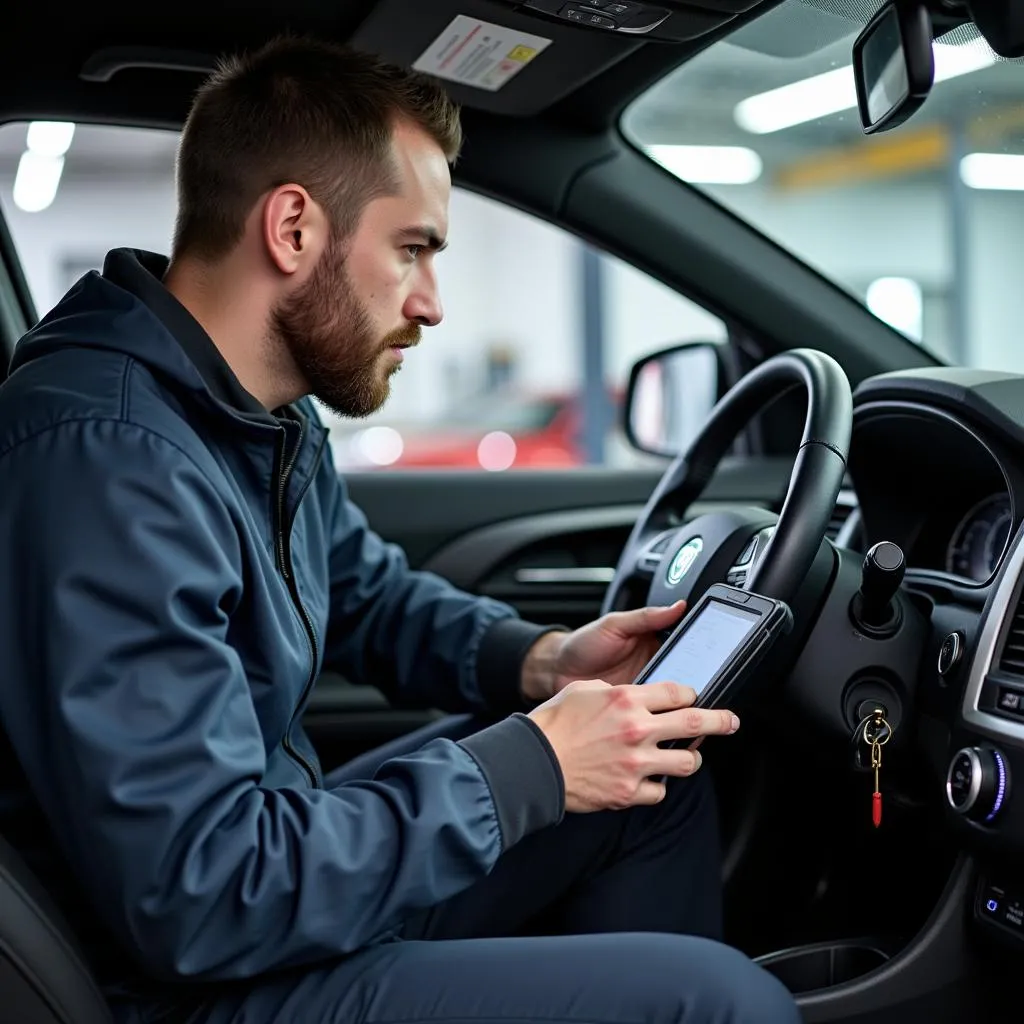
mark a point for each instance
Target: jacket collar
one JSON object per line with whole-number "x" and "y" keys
{"x": 141, "y": 273}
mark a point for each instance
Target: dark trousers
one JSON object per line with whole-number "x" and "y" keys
{"x": 608, "y": 918}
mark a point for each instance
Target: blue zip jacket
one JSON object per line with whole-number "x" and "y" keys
{"x": 178, "y": 566}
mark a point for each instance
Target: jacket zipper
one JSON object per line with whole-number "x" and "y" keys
{"x": 283, "y": 564}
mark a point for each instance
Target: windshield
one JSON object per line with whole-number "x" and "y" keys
{"x": 923, "y": 224}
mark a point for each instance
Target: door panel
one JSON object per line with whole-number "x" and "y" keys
{"x": 424, "y": 510}
{"x": 543, "y": 541}
{"x": 553, "y": 566}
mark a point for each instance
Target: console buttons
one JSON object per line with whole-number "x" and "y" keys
{"x": 610, "y": 6}
{"x": 950, "y": 652}
{"x": 584, "y": 17}
{"x": 977, "y": 783}
{"x": 1010, "y": 700}
{"x": 748, "y": 551}
{"x": 996, "y": 903}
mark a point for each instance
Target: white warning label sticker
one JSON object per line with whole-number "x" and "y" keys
{"x": 478, "y": 53}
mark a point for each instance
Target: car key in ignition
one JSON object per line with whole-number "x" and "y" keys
{"x": 875, "y": 731}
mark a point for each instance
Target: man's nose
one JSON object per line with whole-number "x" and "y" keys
{"x": 424, "y": 303}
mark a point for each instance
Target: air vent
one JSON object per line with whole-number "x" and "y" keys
{"x": 1011, "y": 660}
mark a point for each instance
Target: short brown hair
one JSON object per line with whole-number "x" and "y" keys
{"x": 303, "y": 111}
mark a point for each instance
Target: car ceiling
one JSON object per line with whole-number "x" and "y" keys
{"x": 534, "y": 143}
{"x": 584, "y": 78}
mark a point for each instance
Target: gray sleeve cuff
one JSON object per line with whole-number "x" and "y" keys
{"x": 523, "y": 774}
{"x": 499, "y": 662}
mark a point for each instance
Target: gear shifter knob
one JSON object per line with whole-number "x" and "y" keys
{"x": 873, "y": 608}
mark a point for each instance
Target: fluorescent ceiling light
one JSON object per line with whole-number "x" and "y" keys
{"x": 35, "y": 184}
{"x": 805, "y": 100}
{"x": 834, "y": 91}
{"x": 709, "y": 165}
{"x": 993, "y": 170}
{"x": 898, "y": 301}
{"x": 50, "y": 138}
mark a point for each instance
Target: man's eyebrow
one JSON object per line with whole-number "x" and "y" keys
{"x": 433, "y": 240}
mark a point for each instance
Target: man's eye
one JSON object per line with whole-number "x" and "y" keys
{"x": 414, "y": 250}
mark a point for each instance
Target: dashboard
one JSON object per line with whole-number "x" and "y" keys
{"x": 938, "y": 479}
{"x": 937, "y": 464}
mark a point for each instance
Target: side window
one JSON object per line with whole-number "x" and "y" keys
{"x": 535, "y": 321}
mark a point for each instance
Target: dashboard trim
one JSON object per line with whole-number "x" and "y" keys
{"x": 1004, "y": 603}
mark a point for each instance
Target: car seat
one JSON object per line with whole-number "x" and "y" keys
{"x": 44, "y": 978}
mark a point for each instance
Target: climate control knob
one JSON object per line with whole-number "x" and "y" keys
{"x": 977, "y": 783}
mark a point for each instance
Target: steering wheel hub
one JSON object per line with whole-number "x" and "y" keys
{"x": 704, "y": 551}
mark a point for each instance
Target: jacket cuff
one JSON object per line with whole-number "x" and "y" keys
{"x": 523, "y": 774}
{"x": 499, "y": 662}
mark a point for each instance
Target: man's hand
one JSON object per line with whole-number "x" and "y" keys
{"x": 613, "y": 648}
{"x": 606, "y": 740}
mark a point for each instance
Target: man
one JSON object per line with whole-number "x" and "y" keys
{"x": 181, "y": 561}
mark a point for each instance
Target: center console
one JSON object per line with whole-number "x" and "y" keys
{"x": 983, "y": 755}
{"x": 969, "y": 726}
{"x": 968, "y": 741}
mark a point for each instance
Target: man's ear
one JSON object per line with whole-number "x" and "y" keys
{"x": 294, "y": 229}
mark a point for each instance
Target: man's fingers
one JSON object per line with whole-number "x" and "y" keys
{"x": 649, "y": 792}
{"x": 675, "y": 762}
{"x": 665, "y": 696}
{"x": 586, "y": 684}
{"x": 688, "y": 723}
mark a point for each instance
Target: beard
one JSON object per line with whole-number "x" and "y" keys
{"x": 330, "y": 337}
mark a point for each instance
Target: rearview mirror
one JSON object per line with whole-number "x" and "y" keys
{"x": 893, "y": 65}
{"x": 669, "y": 396}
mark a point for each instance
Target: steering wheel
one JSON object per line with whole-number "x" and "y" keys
{"x": 672, "y": 559}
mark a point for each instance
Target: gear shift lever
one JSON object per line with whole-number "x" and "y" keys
{"x": 873, "y": 609}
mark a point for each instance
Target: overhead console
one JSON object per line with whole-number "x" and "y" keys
{"x": 517, "y": 57}
{"x": 666, "y": 20}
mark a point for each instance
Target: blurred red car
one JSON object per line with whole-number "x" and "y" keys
{"x": 501, "y": 432}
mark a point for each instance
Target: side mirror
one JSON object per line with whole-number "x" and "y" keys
{"x": 669, "y": 396}
{"x": 893, "y": 64}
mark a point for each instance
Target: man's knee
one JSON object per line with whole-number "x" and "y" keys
{"x": 700, "y": 980}
{"x": 753, "y": 994}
